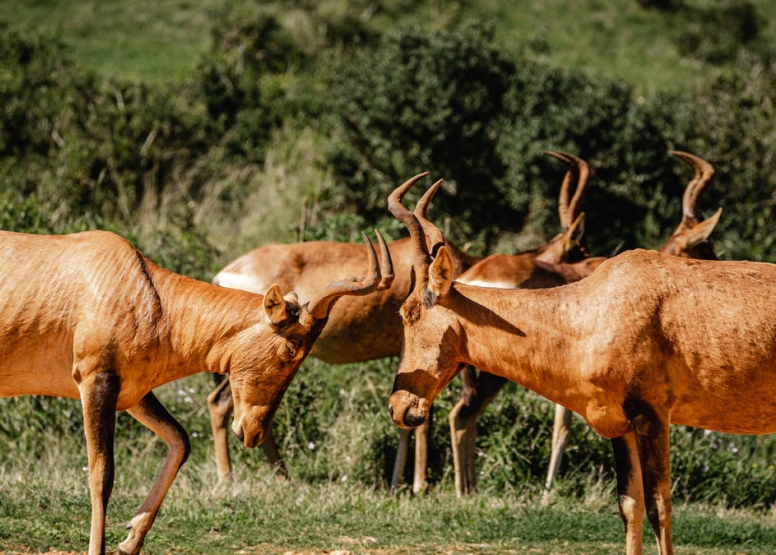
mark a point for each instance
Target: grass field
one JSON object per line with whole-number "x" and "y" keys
{"x": 47, "y": 508}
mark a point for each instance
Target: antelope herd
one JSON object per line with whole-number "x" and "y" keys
{"x": 633, "y": 343}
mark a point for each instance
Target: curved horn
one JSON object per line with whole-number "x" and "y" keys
{"x": 386, "y": 265}
{"x": 563, "y": 196}
{"x": 703, "y": 173}
{"x": 434, "y": 236}
{"x": 421, "y": 259}
{"x": 583, "y": 174}
{"x": 320, "y": 305}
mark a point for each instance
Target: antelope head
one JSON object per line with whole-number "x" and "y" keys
{"x": 691, "y": 238}
{"x": 429, "y": 360}
{"x": 262, "y": 359}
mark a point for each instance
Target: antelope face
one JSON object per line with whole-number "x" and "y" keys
{"x": 264, "y": 359}
{"x": 433, "y": 347}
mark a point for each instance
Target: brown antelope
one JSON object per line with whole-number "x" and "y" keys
{"x": 368, "y": 328}
{"x": 690, "y": 240}
{"x": 359, "y": 328}
{"x": 105, "y": 325}
{"x": 647, "y": 340}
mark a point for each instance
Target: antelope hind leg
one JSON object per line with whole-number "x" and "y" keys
{"x": 150, "y": 412}
{"x": 630, "y": 491}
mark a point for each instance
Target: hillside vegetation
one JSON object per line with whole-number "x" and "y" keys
{"x": 200, "y": 130}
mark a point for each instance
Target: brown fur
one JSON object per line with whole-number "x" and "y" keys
{"x": 625, "y": 348}
{"x": 359, "y": 328}
{"x": 87, "y": 316}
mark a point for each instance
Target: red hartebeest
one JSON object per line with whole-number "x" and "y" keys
{"x": 367, "y": 328}
{"x": 690, "y": 240}
{"x": 647, "y": 340}
{"x": 105, "y": 325}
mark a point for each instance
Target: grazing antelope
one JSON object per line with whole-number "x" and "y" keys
{"x": 105, "y": 325}
{"x": 647, "y": 340}
{"x": 368, "y": 328}
{"x": 359, "y": 328}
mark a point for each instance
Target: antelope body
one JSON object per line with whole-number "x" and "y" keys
{"x": 648, "y": 340}
{"x": 87, "y": 316}
{"x": 689, "y": 240}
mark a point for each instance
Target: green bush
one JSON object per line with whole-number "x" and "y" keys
{"x": 418, "y": 102}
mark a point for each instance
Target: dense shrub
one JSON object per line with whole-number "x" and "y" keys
{"x": 419, "y": 102}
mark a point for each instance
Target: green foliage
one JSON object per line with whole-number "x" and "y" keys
{"x": 717, "y": 33}
{"x": 418, "y": 102}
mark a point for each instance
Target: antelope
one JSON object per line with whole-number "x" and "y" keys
{"x": 359, "y": 328}
{"x": 105, "y": 325}
{"x": 480, "y": 388}
{"x": 647, "y": 340}
{"x": 689, "y": 240}
{"x": 367, "y": 328}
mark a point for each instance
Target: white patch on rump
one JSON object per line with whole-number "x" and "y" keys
{"x": 239, "y": 281}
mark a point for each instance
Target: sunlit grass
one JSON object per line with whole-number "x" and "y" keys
{"x": 255, "y": 513}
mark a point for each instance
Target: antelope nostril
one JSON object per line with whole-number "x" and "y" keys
{"x": 239, "y": 434}
{"x": 390, "y": 411}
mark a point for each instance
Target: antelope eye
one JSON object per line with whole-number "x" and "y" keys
{"x": 291, "y": 348}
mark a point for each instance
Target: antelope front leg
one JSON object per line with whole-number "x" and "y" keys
{"x": 221, "y": 405}
{"x": 273, "y": 455}
{"x": 561, "y": 433}
{"x": 653, "y": 444}
{"x": 150, "y": 412}
{"x": 98, "y": 398}
{"x": 630, "y": 491}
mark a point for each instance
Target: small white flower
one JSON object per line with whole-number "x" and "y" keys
{"x": 311, "y": 445}
{"x": 344, "y": 478}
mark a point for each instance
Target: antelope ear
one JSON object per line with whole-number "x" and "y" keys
{"x": 275, "y": 305}
{"x": 702, "y": 231}
{"x": 440, "y": 276}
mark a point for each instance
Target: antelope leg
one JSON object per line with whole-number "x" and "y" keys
{"x": 99, "y": 393}
{"x": 561, "y": 433}
{"x": 150, "y": 412}
{"x": 630, "y": 490}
